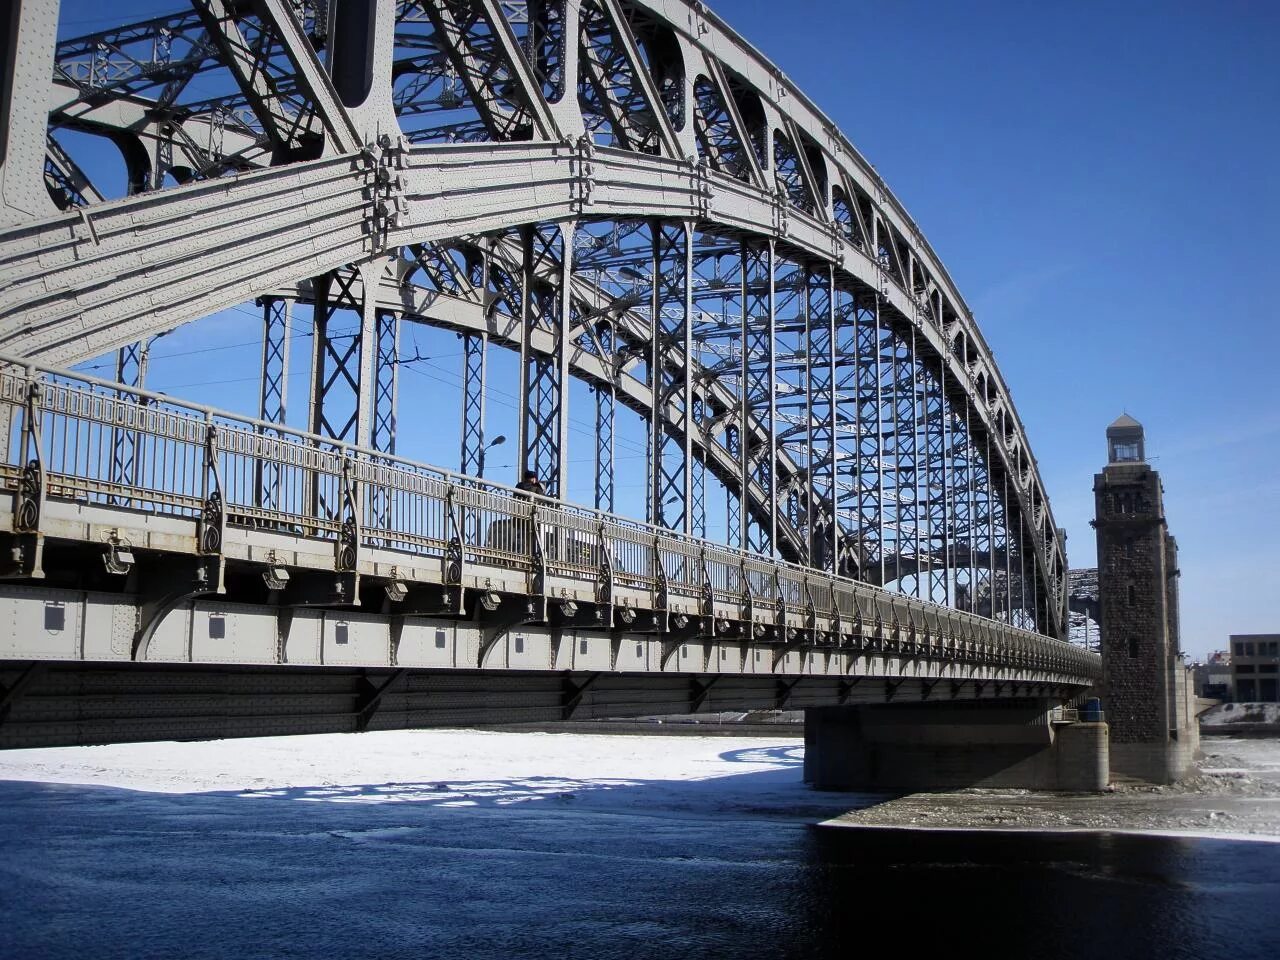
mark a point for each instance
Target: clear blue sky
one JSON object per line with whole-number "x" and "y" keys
{"x": 1100, "y": 180}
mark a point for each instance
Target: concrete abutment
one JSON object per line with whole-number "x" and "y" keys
{"x": 946, "y": 746}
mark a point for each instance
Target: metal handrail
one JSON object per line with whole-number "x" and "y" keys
{"x": 277, "y": 477}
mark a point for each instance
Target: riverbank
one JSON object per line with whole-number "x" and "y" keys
{"x": 1241, "y": 720}
{"x": 1236, "y": 794}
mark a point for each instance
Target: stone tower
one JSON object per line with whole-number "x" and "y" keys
{"x": 1154, "y": 733}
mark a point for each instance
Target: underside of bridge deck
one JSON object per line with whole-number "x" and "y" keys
{"x": 58, "y": 703}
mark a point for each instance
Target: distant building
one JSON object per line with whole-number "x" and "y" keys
{"x": 1255, "y": 667}
{"x": 1213, "y": 678}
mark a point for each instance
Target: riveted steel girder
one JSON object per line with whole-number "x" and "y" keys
{"x": 669, "y": 79}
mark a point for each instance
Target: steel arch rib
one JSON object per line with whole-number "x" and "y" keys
{"x": 79, "y": 283}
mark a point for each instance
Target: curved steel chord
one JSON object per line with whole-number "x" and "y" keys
{"x": 505, "y": 120}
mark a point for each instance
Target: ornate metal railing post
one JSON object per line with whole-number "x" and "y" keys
{"x": 455, "y": 554}
{"x": 707, "y": 597}
{"x": 213, "y": 519}
{"x": 604, "y": 576}
{"x": 32, "y": 485}
{"x": 661, "y": 587}
{"x": 747, "y": 600}
{"x": 347, "y": 546}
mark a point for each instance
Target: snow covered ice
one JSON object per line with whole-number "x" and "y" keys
{"x": 699, "y": 775}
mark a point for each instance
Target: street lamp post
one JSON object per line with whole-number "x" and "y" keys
{"x": 496, "y": 442}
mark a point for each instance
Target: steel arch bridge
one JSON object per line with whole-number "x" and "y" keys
{"x": 623, "y": 192}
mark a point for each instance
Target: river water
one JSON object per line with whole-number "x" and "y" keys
{"x": 540, "y": 869}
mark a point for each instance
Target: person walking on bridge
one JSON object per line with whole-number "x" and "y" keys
{"x": 531, "y": 484}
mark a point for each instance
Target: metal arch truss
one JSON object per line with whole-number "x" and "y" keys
{"x": 619, "y": 191}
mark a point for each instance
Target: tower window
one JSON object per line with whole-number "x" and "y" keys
{"x": 1125, "y": 452}
{"x": 1133, "y": 648}
{"x": 1131, "y": 595}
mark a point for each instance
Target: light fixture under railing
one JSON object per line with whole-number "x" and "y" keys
{"x": 276, "y": 578}
{"x": 118, "y": 559}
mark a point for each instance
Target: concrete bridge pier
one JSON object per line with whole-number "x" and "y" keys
{"x": 929, "y": 746}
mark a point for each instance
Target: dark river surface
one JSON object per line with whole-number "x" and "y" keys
{"x": 91, "y": 872}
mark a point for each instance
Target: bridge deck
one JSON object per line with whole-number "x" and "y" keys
{"x": 229, "y": 540}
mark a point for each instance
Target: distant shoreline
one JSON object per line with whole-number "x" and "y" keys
{"x": 1263, "y": 730}
{"x": 842, "y": 824}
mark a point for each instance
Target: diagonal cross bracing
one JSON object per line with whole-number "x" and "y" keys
{"x": 800, "y": 432}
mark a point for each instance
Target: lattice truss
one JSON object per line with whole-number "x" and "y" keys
{"x": 639, "y": 203}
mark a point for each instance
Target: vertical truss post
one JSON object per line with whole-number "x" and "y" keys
{"x": 820, "y": 416}
{"x": 946, "y": 509}
{"x": 545, "y": 300}
{"x": 386, "y": 382}
{"x": 869, "y": 435}
{"x": 606, "y": 407}
{"x": 671, "y": 389}
{"x": 474, "y": 370}
{"x": 1021, "y": 571}
{"x": 733, "y": 498}
{"x": 939, "y": 478}
{"x": 903, "y": 460}
{"x": 1007, "y": 537}
{"x": 759, "y": 397}
{"x": 698, "y": 489}
{"x": 126, "y": 445}
{"x": 369, "y": 357}
{"x": 807, "y": 515}
{"x": 846, "y": 458}
{"x": 1039, "y": 617}
{"x": 523, "y": 398}
{"x": 919, "y": 475}
{"x": 830, "y": 465}
{"x": 987, "y": 531}
{"x": 385, "y": 406}
{"x": 528, "y": 359}
{"x": 999, "y": 545}
{"x": 961, "y": 510}
{"x": 338, "y": 406}
{"x": 887, "y": 394}
{"x": 277, "y": 314}
{"x": 336, "y": 365}
{"x": 606, "y": 410}
{"x": 976, "y": 481}
{"x": 568, "y": 318}
{"x": 1013, "y": 559}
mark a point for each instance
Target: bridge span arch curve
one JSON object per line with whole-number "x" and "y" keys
{"x": 620, "y": 191}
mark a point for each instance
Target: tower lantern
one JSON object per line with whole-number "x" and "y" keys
{"x": 1125, "y": 441}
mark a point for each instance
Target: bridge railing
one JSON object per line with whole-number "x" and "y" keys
{"x": 81, "y": 439}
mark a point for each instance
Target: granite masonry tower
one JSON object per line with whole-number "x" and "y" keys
{"x": 1147, "y": 694}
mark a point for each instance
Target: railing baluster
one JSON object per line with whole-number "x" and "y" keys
{"x": 193, "y": 461}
